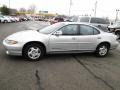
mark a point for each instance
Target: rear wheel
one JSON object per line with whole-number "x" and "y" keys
{"x": 34, "y": 52}
{"x": 118, "y": 34}
{"x": 102, "y": 50}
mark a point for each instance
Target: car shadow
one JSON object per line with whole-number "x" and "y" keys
{"x": 56, "y": 57}
{"x": 66, "y": 56}
{"x": 47, "y": 56}
{"x": 14, "y": 58}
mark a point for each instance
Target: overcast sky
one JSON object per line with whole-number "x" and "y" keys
{"x": 79, "y": 7}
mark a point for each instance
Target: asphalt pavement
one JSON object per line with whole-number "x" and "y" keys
{"x": 56, "y": 72}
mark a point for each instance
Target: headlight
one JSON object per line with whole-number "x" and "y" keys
{"x": 11, "y": 42}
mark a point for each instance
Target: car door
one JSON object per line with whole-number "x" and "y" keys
{"x": 88, "y": 38}
{"x": 67, "y": 41}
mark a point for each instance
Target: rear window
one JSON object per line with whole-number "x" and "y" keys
{"x": 87, "y": 30}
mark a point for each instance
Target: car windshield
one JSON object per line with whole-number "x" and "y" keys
{"x": 51, "y": 28}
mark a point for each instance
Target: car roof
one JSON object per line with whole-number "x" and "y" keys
{"x": 76, "y": 23}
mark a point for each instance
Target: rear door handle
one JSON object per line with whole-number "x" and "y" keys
{"x": 73, "y": 38}
{"x": 99, "y": 37}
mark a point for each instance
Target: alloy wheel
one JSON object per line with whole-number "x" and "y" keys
{"x": 34, "y": 52}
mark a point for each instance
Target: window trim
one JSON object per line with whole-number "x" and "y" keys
{"x": 96, "y": 30}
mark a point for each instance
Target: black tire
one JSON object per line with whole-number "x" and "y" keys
{"x": 105, "y": 47}
{"x": 118, "y": 34}
{"x": 5, "y": 21}
{"x": 28, "y": 49}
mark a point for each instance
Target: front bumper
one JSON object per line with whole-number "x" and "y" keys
{"x": 15, "y": 49}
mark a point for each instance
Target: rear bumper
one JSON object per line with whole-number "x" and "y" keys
{"x": 114, "y": 45}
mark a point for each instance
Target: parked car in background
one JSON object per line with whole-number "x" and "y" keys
{"x": 29, "y": 18}
{"x": 56, "y": 20}
{"x": 4, "y": 19}
{"x": 64, "y": 37}
{"x": 11, "y": 18}
{"x": 101, "y": 23}
{"x": 1, "y": 18}
{"x": 115, "y": 28}
{"x": 21, "y": 19}
{"x": 17, "y": 19}
{"x": 46, "y": 19}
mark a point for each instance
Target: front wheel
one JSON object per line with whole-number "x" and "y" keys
{"x": 5, "y": 21}
{"x": 102, "y": 50}
{"x": 34, "y": 52}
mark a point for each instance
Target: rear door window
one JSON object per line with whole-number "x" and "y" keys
{"x": 88, "y": 30}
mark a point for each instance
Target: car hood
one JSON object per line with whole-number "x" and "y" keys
{"x": 113, "y": 26}
{"x": 28, "y": 35}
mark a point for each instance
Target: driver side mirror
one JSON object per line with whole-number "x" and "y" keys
{"x": 57, "y": 33}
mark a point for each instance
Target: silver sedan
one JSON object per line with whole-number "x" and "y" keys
{"x": 64, "y": 37}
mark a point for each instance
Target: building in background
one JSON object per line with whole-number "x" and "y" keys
{"x": 43, "y": 12}
{"x": 13, "y": 11}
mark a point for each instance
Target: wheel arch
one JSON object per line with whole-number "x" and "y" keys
{"x": 33, "y": 42}
{"x": 105, "y": 42}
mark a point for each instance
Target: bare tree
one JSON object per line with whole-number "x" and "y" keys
{"x": 32, "y": 9}
{"x": 22, "y": 10}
